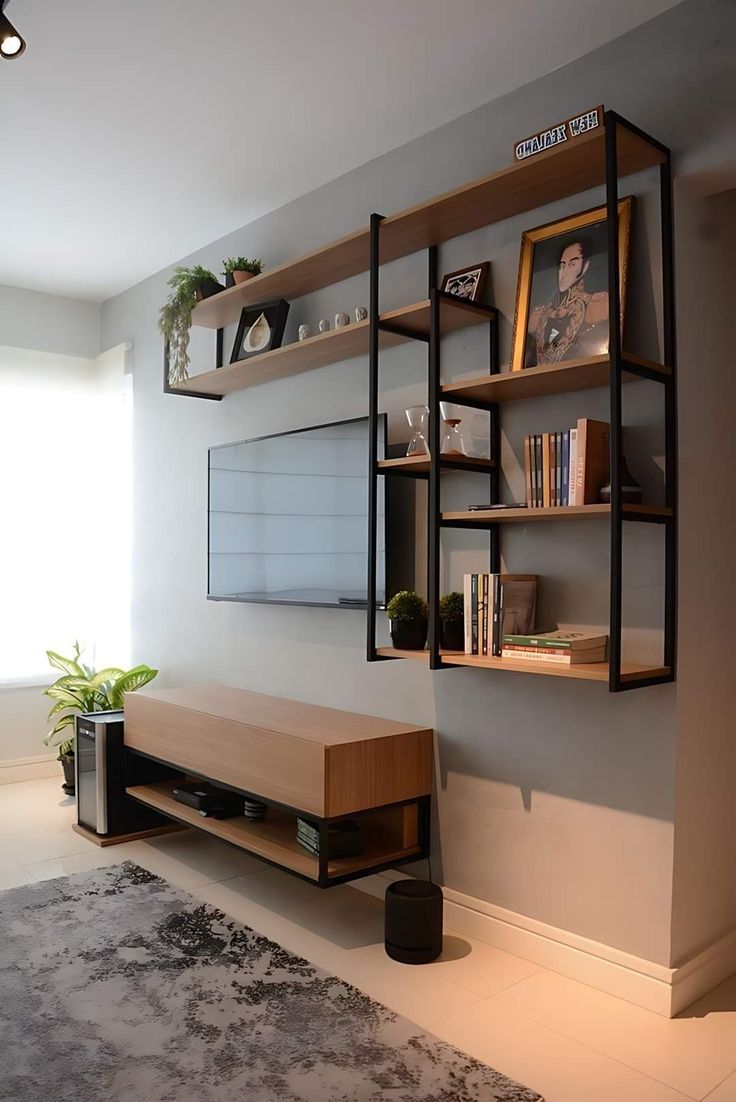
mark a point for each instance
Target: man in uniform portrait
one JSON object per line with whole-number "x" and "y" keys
{"x": 575, "y": 321}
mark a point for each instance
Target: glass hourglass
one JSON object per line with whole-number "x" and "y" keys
{"x": 418, "y": 418}
{"x": 452, "y": 439}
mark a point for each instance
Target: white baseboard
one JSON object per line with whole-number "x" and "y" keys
{"x": 30, "y": 769}
{"x": 655, "y": 987}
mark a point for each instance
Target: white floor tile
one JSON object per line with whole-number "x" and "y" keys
{"x": 724, "y": 1092}
{"x": 562, "y": 1070}
{"x": 14, "y": 878}
{"x": 692, "y": 1054}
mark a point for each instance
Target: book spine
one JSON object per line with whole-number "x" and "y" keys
{"x": 535, "y": 656}
{"x": 553, "y": 468}
{"x": 481, "y": 610}
{"x": 468, "y": 613}
{"x": 580, "y": 474}
{"x": 558, "y": 465}
{"x": 573, "y": 477}
{"x": 528, "y": 469}
{"x": 546, "y": 498}
{"x": 474, "y": 613}
{"x": 536, "y": 650}
{"x": 565, "y": 468}
{"x": 497, "y": 616}
{"x": 538, "y": 467}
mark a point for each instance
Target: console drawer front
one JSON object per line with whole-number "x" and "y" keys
{"x": 267, "y": 763}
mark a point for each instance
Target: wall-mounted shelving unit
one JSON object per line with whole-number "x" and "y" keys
{"x": 617, "y": 151}
{"x": 601, "y": 157}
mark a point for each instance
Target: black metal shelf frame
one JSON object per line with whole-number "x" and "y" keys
{"x": 618, "y": 365}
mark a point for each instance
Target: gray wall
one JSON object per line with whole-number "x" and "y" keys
{"x": 49, "y": 323}
{"x": 555, "y": 799}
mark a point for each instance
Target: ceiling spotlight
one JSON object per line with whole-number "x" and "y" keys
{"x": 11, "y": 43}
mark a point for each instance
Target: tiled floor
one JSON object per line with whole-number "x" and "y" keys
{"x": 569, "y": 1042}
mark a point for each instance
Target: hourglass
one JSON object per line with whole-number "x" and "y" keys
{"x": 452, "y": 440}
{"x": 418, "y": 417}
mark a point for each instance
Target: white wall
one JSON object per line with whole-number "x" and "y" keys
{"x": 555, "y": 800}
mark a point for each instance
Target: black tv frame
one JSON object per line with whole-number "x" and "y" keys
{"x": 359, "y": 606}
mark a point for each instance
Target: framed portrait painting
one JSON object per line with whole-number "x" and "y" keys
{"x": 562, "y": 292}
{"x": 260, "y": 329}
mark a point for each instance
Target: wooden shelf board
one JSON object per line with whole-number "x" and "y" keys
{"x": 522, "y": 186}
{"x": 273, "y": 837}
{"x": 585, "y": 671}
{"x": 543, "y": 381}
{"x": 331, "y": 347}
{"x": 411, "y": 464}
{"x": 557, "y": 512}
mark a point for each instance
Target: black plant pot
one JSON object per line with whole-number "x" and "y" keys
{"x": 208, "y": 288}
{"x": 409, "y": 634}
{"x": 452, "y": 634}
{"x": 67, "y": 763}
{"x": 229, "y": 279}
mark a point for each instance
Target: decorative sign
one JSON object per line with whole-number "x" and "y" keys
{"x": 565, "y": 131}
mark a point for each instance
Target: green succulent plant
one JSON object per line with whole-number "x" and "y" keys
{"x": 452, "y": 606}
{"x": 82, "y": 689}
{"x": 242, "y": 264}
{"x": 175, "y": 317}
{"x": 407, "y": 605}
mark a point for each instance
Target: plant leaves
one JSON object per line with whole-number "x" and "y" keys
{"x": 112, "y": 673}
{"x": 65, "y": 721}
{"x": 68, "y": 665}
{"x": 134, "y": 679}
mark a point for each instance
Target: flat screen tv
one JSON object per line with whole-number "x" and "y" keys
{"x": 288, "y": 518}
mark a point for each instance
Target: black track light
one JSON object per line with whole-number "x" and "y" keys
{"x": 11, "y": 43}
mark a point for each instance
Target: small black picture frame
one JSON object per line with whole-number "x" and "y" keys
{"x": 267, "y": 335}
{"x": 468, "y": 283}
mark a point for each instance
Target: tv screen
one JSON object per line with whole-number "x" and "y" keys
{"x": 288, "y": 518}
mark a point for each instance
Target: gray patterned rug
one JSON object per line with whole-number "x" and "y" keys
{"x": 114, "y": 985}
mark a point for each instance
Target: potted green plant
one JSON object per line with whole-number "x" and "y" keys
{"x": 452, "y": 621}
{"x": 238, "y": 268}
{"x": 82, "y": 689}
{"x": 188, "y": 287}
{"x": 408, "y": 614}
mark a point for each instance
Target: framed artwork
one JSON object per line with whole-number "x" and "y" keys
{"x": 562, "y": 291}
{"x": 467, "y": 283}
{"x": 260, "y": 329}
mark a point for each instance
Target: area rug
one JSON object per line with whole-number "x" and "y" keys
{"x": 114, "y": 985}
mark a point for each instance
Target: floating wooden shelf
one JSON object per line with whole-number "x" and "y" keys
{"x": 542, "y": 382}
{"x": 419, "y": 466}
{"x": 585, "y": 671}
{"x": 273, "y": 838}
{"x": 332, "y": 347}
{"x": 523, "y": 186}
{"x": 557, "y": 512}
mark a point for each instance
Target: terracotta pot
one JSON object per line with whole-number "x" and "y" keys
{"x": 242, "y": 277}
{"x": 409, "y": 634}
{"x": 452, "y": 635}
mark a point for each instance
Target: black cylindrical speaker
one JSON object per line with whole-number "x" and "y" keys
{"x": 413, "y": 921}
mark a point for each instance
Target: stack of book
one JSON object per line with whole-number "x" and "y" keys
{"x": 563, "y": 648}
{"x": 494, "y": 604}
{"x": 568, "y": 467}
{"x": 344, "y": 839}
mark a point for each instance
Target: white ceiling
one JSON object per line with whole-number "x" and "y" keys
{"x": 136, "y": 131}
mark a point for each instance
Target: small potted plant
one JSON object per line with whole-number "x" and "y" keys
{"x": 238, "y": 268}
{"x": 189, "y": 286}
{"x": 81, "y": 689}
{"x": 452, "y": 621}
{"x": 408, "y": 614}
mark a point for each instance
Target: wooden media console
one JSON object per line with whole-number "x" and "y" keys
{"x": 303, "y": 760}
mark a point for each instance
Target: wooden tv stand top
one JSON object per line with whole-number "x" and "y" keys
{"x": 318, "y": 760}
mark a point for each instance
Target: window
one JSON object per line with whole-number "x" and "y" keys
{"x": 65, "y": 506}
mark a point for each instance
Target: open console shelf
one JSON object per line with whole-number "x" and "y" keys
{"x": 303, "y": 761}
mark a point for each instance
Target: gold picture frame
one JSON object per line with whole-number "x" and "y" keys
{"x": 558, "y": 317}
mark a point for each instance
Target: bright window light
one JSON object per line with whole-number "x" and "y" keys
{"x": 65, "y": 504}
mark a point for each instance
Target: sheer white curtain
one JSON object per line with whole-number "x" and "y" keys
{"x": 65, "y": 510}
